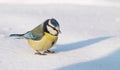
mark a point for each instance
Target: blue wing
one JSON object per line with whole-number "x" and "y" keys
{"x": 30, "y": 35}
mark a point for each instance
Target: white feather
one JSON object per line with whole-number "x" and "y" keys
{"x": 51, "y": 30}
{"x": 49, "y": 22}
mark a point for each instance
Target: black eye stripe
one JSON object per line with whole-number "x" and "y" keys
{"x": 52, "y": 27}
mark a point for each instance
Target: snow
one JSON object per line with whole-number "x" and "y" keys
{"x": 90, "y": 38}
{"x": 80, "y": 2}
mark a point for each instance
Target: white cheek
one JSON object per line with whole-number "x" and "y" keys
{"x": 51, "y": 30}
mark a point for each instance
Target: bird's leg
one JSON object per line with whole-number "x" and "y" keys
{"x": 48, "y": 51}
{"x": 39, "y": 53}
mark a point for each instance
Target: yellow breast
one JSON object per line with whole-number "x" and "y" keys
{"x": 43, "y": 44}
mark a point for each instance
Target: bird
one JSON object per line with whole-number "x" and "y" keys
{"x": 43, "y": 37}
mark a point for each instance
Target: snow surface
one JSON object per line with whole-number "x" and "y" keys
{"x": 90, "y": 38}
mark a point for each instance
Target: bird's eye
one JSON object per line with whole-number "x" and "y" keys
{"x": 52, "y": 27}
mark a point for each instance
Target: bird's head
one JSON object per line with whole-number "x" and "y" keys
{"x": 52, "y": 26}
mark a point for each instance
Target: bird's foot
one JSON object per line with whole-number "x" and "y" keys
{"x": 48, "y": 51}
{"x": 38, "y": 53}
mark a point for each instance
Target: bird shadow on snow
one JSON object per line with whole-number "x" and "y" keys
{"x": 81, "y": 44}
{"x": 110, "y": 62}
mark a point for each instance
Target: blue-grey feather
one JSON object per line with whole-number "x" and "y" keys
{"x": 54, "y": 22}
{"x": 30, "y": 35}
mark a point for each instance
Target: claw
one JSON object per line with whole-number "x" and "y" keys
{"x": 38, "y": 53}
{"x": 48, "y": 51}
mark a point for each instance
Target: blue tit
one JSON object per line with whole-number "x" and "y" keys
{"x": 42, "y": 37}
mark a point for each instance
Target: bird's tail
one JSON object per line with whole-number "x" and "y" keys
{"x": 17, "y": 36}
